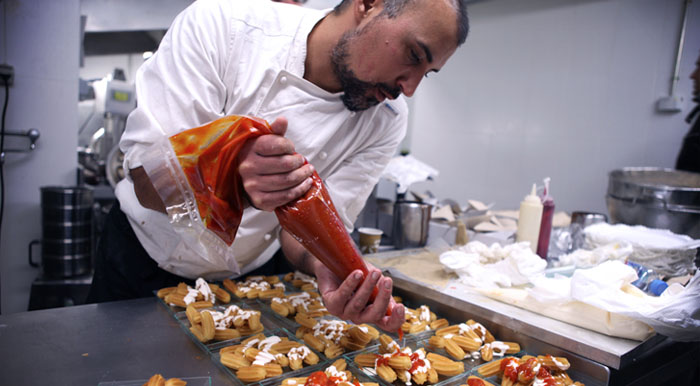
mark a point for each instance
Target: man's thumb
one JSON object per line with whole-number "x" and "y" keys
{"x": 279, "y": 126}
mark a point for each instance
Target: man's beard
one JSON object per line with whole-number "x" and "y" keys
{"x": 356, "y": 96}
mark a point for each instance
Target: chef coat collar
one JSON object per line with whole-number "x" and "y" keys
{"x": 295, "y": 62}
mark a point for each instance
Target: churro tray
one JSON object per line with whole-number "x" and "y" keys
{"x": 191, "y": 381}
{"x": 215, "y": 351}
{"x": 413, "y": 344}
{"x": 267, "y": 320}
{"x": 289, "y": 320}
{"x": 496, "y": 380}
{"x": 503, "y": 327}
{"x": 470, "y": 361}
{"x": 582, "y": 369}
{"x": 262, "y": 288}
{"x": 172, "y": 310}
{"x": 178, "y": 312}
{"x": 358, "y": 374}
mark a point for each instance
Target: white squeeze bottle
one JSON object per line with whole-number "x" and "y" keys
{"x": 529, "y": 219}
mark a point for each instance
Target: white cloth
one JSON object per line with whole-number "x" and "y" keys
{"x": 242, "y": 57}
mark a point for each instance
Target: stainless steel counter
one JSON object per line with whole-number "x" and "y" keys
{"x": 89, "y": 344}
{"x": 128, "y": 340}
{"x": 596, "y": 359}
{"x": 612, "y": 352}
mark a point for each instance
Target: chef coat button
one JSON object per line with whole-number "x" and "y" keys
{"x": 283, "y": 80}
{"x": 323, "y": 155}
{"x": 267, "y": 237}
{"x": 352, "y": 113}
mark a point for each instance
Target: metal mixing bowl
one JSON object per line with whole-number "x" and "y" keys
{"x": 656, "y": 198}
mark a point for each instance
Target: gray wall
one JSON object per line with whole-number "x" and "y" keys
{"x": 559, "y": 88}
{"x": 42, "y": 44}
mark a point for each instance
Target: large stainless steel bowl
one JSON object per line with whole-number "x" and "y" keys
{"x": 656, "y": 198}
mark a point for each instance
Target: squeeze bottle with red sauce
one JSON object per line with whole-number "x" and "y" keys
{"x": 546, "y": 224}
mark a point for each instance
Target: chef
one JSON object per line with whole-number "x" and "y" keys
{"x": 330, "y": 82}
{"x": 689, "y": 156}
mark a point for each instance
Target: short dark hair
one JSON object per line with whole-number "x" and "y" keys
{"x": 393, "y": 8}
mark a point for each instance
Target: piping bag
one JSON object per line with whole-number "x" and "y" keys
{"x": 208, "y": 156}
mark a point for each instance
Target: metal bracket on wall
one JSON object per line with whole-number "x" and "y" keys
{"x": 31, "y": 134}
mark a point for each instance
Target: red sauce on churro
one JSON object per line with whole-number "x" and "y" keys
{"x": 319, "y": 378}
{"x": 416, "y": 360}
{"x": 526, "y": 371}
{"x": 546, "y": 377}
{"x": 509, "y": 367}
{"x": 475, "y": 382}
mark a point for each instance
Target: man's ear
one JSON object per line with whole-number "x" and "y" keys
{"x": 364, "y": 8}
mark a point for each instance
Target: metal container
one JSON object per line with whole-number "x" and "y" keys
{"x": 579, "y": 221}
{"x": 656, "y": 198}
{"x": 410, "y": 224}
{"x": 66, "y": 216}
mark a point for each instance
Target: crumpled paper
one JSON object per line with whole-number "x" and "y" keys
{"x": 663, "y": 251}
{"x": 496, "y": 266}
{"x": 407, "y": 170}
{"x": 601, "y": 298}
{"x": 676, "y": 313}
{"x": 584, "y": 258}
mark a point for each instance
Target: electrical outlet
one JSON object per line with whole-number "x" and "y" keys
{"x": 670, "y": 104}
{"x": 9, "y": 71}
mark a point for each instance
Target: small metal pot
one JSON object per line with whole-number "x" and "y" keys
{"x": 411, "y": 224}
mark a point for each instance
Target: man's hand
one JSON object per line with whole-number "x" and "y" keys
{"x": 349, "y": 299}
{"x": 272, "y": 173}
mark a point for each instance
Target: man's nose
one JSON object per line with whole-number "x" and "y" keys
{"x": 410, "y": 82}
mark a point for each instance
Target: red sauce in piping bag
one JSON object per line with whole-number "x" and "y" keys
{"x": 314, "y": 222}
{"x": 208, "y": 157}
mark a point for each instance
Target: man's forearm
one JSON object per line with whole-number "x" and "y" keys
{"x": 145, "y": 191}
{"x": 297, "y": 255}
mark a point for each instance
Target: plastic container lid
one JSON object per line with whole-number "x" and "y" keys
{"x": 657, "y": 287}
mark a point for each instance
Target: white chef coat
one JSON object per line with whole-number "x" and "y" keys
{"x": 237, "y": 57}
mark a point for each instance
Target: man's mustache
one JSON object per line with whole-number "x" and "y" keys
{"x": 393, "y": 91}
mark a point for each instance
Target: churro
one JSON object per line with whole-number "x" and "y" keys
{"x": 299, "y": 303}
{"x": 302, "y": 281}
{"x": 203, "y": 295}
{"x": 159, "y": 380}
{"x": 334, "y": 375}
{"x": 333, "y": 337}
{"x": 421, "y": 319}
{"x": 260, "y": 357}
{"x": 475, "y": 341}
{"x": 473, "y": 380}
{"x": 253, "y": 287}
{"x": 407, "y": 365}
{"x": 529, "y": 370}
